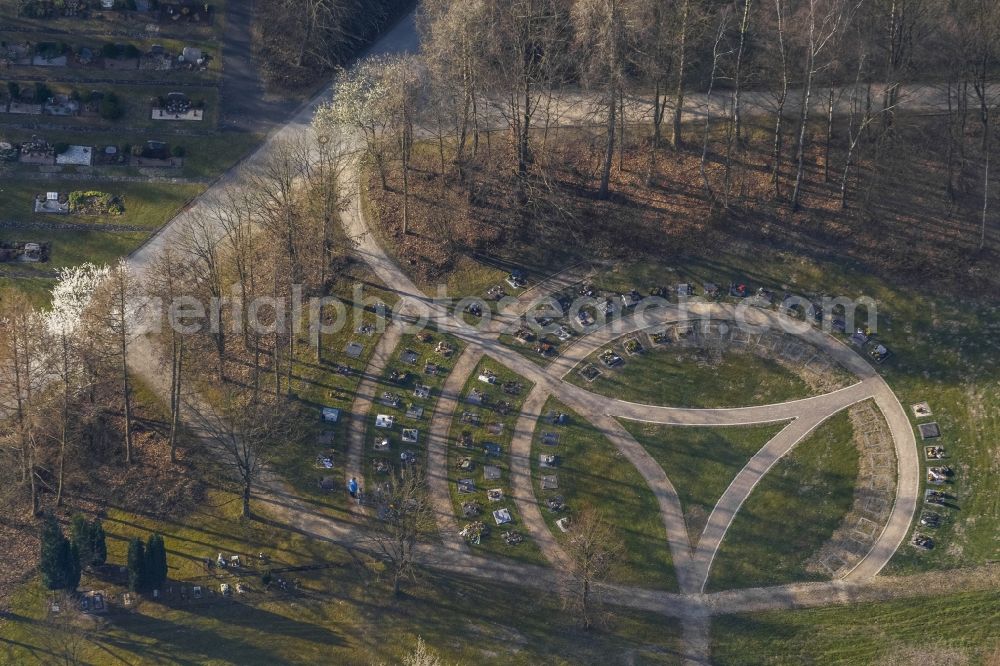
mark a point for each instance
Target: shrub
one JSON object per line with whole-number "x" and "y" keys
{"x": 177, "y": 151}
{"x": 136, "y": 565}
{"x": 42, "y": 93}
{"x": 14, "y": 89}
{"x": 111, "y": 107}
{"x": 59, "y": 560}
{"x": 156, "y": 562}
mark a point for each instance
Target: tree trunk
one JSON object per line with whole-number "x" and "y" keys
{"x": 829, "y": 137}
{"x": 126, "y": 395}
{"x": 654, "y": 146}
{"x": 609, "y": 153}
{"x": 675, "y": 138}
{"x": 177, "y": 368}
{"x": 986, "y": 193}
{"x": 246, "y": 500}
{"x": 782, "y": 97}
{"x": 950, "y": 157}
{"x": 801, "y": 147}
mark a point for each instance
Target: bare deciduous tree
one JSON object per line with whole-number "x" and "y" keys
{"x": 403, "y": 515}
{"x": 244, "y": 430}
{"x": 593, "y": 550}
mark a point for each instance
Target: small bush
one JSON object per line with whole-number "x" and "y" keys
{"x": 42, "y": 93}
{"x": 177, "y": 151}
{"x": 111, "y": 107}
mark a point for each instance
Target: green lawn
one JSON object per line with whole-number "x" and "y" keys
{"x": 791, "y": 513}
{"x": 38, "y": 290}
{"x": 592, "y": 472}
{"x": 679, "y": 378}
{"x": 961, "y": 628}
{"x": 340, "y": 613}
{"x": 71, "y": 248}
{"x": 404, "y": 390}
{"x": 494, "y": 543}
{"x": 701, "y": 462}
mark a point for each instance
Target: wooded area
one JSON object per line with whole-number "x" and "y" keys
{"x": 867, "y": 122}
{"x": 298, "y": 42}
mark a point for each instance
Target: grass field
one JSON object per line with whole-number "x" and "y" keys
{"x": 946, "y": 351}
{"x": 38, "y": 290}
{"x": 682, "y": 379}
{"x": 70, "y": 248}
{"x": 701, "y": 462}
{"x": 337, "y": 613}
{"x": 481, "y": 434}
{"x": 791, "y": 513}
{"x": 960, "y": 628}
{"x": 592, "y": 472}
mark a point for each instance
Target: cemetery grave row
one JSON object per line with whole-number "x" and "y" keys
{"x": 109, "y": 56}
{"x": 410, "y": 385}
{"x": 39, "y": 152}
{"x": 939, "y": 477}
{"x": 187, "y": 13}
{"x": 40, "y": 99}
{"x": 479, "y": 461}
{"x": 80, "y": 202}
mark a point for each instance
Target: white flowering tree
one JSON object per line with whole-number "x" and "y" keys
{"x": 360, "y": 104}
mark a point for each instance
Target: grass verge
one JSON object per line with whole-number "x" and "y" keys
{"x": 592, "y": 472}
